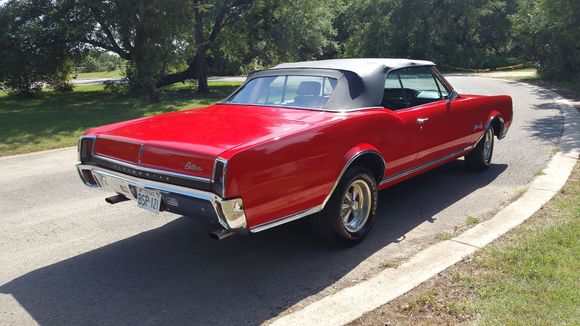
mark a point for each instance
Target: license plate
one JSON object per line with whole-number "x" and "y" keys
{"x": 148, "y": 199}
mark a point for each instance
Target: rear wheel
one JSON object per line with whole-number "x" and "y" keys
{"x": 350, "y": 212}
{"x": 479, "y": 158}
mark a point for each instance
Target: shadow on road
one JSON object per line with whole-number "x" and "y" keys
{"x": 177, "y": 275}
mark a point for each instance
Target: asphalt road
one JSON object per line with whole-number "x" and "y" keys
{"x": 67, "y": 257}
{"x": 100, "y": 81}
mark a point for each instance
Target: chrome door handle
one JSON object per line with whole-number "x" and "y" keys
{"x": 421, "y": 121}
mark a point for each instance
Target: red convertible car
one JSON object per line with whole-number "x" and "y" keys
{"x": 307, "y": 138}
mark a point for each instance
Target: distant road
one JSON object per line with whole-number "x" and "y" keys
{"x": 495, "y": 74}
{"x": 100, "y": 81}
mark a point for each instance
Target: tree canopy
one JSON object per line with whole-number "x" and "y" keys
{"x": 169, "y": 41}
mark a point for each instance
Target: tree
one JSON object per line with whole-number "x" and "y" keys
{"x": 220, "y": 14}
{"x": 33, "y": 51}
{"x": 171, "y": 41}
{"x": 144, "y": 32}
{"x": 468, "y": 33}
{"x": 549, "y": 31}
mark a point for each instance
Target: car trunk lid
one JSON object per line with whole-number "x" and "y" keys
{"x": 188, "y": 142}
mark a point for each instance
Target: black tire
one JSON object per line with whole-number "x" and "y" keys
{"x": 329, "y": 223}
{"x": 479, "y": 159}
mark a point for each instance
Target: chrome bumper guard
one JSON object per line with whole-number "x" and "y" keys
{"x": 176, "y": 199}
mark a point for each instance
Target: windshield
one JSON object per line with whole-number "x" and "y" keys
{"x": 310, "y": 92}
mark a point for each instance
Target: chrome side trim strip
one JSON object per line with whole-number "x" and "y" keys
{"x": 346, "y": 166}
{"x": 141, "y": 168}
{"x": 285, "y": 219}
{"x": 424, "y": 166}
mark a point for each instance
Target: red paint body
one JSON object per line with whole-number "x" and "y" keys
{"x": 281, "y": 161}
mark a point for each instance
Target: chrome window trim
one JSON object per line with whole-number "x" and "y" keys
{"x": 302, "y": 108}
{"x": 144, "y": 169}
{"x": 347, "y": 165}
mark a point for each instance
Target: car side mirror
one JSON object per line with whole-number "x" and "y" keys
{"x": 452, "y": 95}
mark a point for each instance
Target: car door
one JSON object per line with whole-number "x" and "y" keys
{"x": 464, "y": 126}
{"x": 398, "y": 142}
{"x": 429, "y": 110}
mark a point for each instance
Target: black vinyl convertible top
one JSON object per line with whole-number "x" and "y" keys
{"x": 361, "y": 66}
{"x": 360, "y": 81}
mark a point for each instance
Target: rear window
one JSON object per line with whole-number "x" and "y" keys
{"x": 310, "y": 92}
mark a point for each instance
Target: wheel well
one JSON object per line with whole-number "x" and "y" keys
{"x": 497, "y": 126}
{"x": 372, "y": 161}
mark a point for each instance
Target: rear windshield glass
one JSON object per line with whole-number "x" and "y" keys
{"x": 310, "y": 92}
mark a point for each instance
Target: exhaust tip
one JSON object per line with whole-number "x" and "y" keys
{"x": 116, "y": 199}
{"x": 221, "y": 234}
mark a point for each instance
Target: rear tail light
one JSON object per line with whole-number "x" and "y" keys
{"x": 219, "y": 176}
{"x": 86, "y": 148}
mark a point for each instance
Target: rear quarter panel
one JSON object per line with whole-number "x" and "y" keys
{"x": 480, "y": 109}
{"x": 293, "y": 173}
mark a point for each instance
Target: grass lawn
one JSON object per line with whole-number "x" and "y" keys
{"x": 558, "y": 86}
{"x": 54, "y": 120}
{"x": 528, "y": 277}
{"x": 100, "y": 74}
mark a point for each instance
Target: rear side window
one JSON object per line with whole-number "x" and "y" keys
{"x": 393, "y": 96}
{"x": 416, "y": 86}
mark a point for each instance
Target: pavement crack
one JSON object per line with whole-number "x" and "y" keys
{"x": 467, "y": 244}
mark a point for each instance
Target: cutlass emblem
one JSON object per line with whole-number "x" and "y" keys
{"x": 478, "y": 126}
{"x": 193, "y": 167}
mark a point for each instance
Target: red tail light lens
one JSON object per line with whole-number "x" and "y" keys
{"x": 86, "y": 146}
{"x": 219, "y": 176}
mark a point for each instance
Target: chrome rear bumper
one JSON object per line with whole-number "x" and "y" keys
{"x": 176, "y": 199}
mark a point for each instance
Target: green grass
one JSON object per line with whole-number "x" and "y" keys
{"x": 471, "y": 220}
{"x": 441, "y": 236}
{"x": 389, "y": 264}
{"x": 532, "y": 275}
{"x": 100, "y": 74}
{"x": 53, "y": 120}
{"x": 564, "y": 86}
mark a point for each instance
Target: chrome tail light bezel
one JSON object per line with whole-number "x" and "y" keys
{"x": 86, "y": 148}
{"x": 218, "y": 182}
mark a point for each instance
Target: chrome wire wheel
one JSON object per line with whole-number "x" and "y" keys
{"x": 356, "y": 206}
{"x": 487, "y": 145}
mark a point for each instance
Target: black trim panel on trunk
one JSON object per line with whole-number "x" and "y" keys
{"x": 154, "y": 175}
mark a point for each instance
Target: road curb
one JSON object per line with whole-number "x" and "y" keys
{"x": 39, "y": 153}
{"x": 350, "y": 303}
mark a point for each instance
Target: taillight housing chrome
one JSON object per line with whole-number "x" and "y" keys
{"x": 86, "y": 148}
{"x": 219, "y": 177}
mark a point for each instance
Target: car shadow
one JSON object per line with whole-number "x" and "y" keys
{"x": 176, "y": 275}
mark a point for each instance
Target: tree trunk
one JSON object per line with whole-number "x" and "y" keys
{"x": 202, "y": 86}
{"x": 189, "y": 73}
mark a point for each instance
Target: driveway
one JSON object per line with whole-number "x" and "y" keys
{"x": 69, "y": 258}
